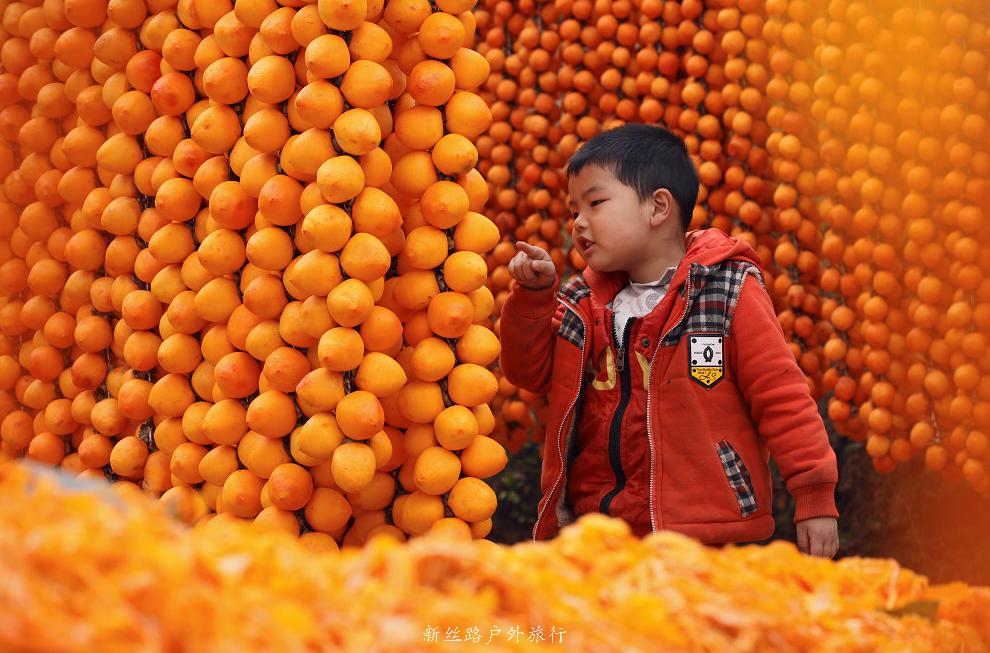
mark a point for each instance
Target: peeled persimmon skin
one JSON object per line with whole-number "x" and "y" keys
{"x": 152, "y": 543}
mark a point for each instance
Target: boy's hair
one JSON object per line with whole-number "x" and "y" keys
{"x": 644, "y": 158}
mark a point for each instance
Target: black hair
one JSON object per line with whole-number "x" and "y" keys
{"x": 645, "y": 158}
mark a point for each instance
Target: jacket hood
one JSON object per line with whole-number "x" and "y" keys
{"x": 703, "y": 246}
{"x": 711, "y": 246}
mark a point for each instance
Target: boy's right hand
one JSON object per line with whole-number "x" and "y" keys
{"x": 532, "y": 267}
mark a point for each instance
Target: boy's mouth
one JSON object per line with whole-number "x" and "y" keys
{"x": 583, "y": 242}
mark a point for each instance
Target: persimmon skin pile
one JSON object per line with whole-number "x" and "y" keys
{"x": 138, "y": 578}
{"x": 844, "y": 140}
{"x": 242, "y": 259}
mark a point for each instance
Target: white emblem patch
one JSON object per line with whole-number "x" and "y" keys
{"x": 706, "y": 363}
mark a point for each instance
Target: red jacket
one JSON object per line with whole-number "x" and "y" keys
{"x": 719, "y": 392}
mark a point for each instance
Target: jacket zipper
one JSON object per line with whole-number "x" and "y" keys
{"x": 649, "y": 396}
{"x": 560, "y": 431}
{"x": 620, "y": 349}
{"x": 615, "y": 428}
{"x": 560, "y": 453}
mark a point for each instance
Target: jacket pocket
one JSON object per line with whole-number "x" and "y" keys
{"x": 691, "y": 483}
{"x": 738, "y": 477}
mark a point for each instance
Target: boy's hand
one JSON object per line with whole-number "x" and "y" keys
{"x": 818, "y": 536}
{"x": 532, "y": 267}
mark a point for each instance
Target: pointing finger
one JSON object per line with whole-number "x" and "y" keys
{"x": 532, "y": 251}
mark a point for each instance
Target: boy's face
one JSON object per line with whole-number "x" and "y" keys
{"x": 612, "y": 225}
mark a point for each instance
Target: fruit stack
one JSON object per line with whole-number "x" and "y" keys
{"x": 243, "y": 258}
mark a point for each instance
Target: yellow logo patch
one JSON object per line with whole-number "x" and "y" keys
{"x": 606, "y": 377}
{"x": 706, "y": 364}
{"x": 608, "y": 382}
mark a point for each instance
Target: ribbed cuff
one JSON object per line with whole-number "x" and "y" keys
{"x": 533, "y": 304}
{"x": 814, "y": 501}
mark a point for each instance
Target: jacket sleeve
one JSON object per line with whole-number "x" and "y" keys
{"x": 528, "y": 331}
{"x": 781, "y": 404}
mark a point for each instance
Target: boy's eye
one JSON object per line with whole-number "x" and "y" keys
{"x": 596, "y": 202}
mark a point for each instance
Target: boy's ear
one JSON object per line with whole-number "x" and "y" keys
{"x": 664, "y": 207}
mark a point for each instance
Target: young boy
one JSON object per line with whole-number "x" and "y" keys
{"x": 669, "y": 379}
